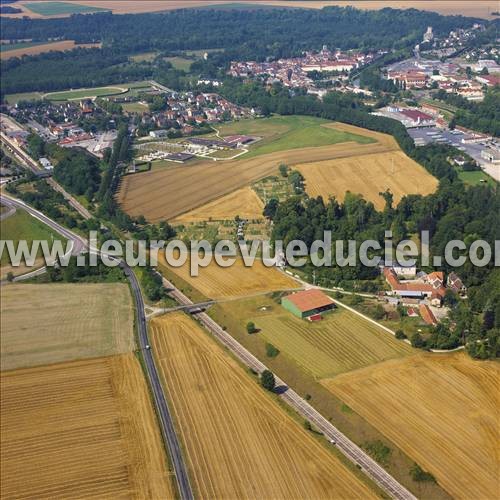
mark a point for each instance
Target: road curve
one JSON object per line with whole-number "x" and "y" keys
{"x": 163, "y": 412}
{"x": 353, "y": 452}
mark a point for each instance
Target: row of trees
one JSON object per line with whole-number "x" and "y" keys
{"x": 482, "y": 116}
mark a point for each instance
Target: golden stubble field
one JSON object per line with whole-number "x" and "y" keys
{"x": 46, "y": 47}
{"x": 84, "y": 429}
{"x": 50, "y": 323}
{"x": 216, "y": 282}
{"x": 368, "y": 175}
{"x": 442, "y": 410}
{"x": 238, "y": 442}
{"x": 243, "y": 202}
{"x": 166, "y": 194}
{"x": 475, "y": 8}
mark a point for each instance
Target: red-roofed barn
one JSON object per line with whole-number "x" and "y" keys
{"x": 307, "y": 303}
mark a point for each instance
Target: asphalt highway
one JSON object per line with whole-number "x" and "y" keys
{"x": 171, "y": 440}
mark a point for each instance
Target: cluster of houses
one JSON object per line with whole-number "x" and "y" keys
{"x": 294, "y": 72}
{"x": 409, "y": 288}
{"x": 419, "y": 73}
{"x": 185, "y": 110}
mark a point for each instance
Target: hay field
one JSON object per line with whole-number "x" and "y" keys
{"x": 83, "y": 429}
{"x": 166, "y": 194}
{"x": 45, "y": 47}
{"x": 239, "y": 443}
{"x": 477, "y": 8}
{"x": 341, "y": 342}
{"x": 442, "y": 410}
{"x": 50, "y": 323}
{"x": 368, "y": 175}
{"x": 217, "y": 282}
{"x": 243, "y": 202}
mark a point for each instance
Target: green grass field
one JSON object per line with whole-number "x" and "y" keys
{"x": 180, "y": 63}
{"x": 68, "y": 95}
{"x": 13, "y": 99}
{"x": 281, "y": 133}
{"x": 21, "y": 226}
{"x": 60, "y": 8}
{"x": 341, "y": 342}
{"x": 476, "y": 177}
{"x": 143, "y": 56}
{"x": 135, "y": 107}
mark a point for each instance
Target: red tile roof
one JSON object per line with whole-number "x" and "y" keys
{"x": 427, "y": 315}
{"x": 309, "y": 299}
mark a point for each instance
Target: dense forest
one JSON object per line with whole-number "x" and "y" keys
{"x": 243, "y": 34}
{"x": 258, "y": 32}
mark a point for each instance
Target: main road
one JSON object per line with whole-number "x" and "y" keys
{"x": 169, "y": 435}
{"x": 353, "y": 452}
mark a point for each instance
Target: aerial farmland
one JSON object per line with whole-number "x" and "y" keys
{"x": 215, "y": 400}
{"x": 447, "y": 402}
{"x": 170, "y": 193}
{"x": 81, "y": 429}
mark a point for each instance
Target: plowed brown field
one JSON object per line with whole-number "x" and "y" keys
{"x": 84, "y": 429}
{"x": 239, "y": 443}
{"x": 441, "y": 410}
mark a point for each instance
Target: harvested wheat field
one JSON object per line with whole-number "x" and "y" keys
{"x": 50, "y": 323}
{"x": 477, "y": 8}
{"x": 368, "y": 175}
{"x": 217, "y": 282}
{"x": 166, "y": 194}
{"x": 45, "y": 47}
{"x": 239, "y": 443}
{"x": 442, "y": 410}
{"x": 84, "y": 429}
{"x": 243, "y": 202}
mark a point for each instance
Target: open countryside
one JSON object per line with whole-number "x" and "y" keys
{"x": 238, "y": 280}
{"x": 433, "y": 407}
{"x": 29, "y": 49}
{"x": 368, "y": 175}
{"x": 22, "y": 226}
{"x": 167, "y": 193}
{"x": 477, "y": 8}
{"x": 341, "y": 342}
{"x": 244, "y": 202}
{"x": 81, "y": 429}
{"x": 215, "y": 400}
{"x": 77, "y": 94}
{"x": 73, "y": 321}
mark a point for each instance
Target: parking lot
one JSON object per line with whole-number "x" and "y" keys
{"x": 426, "y": 135}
